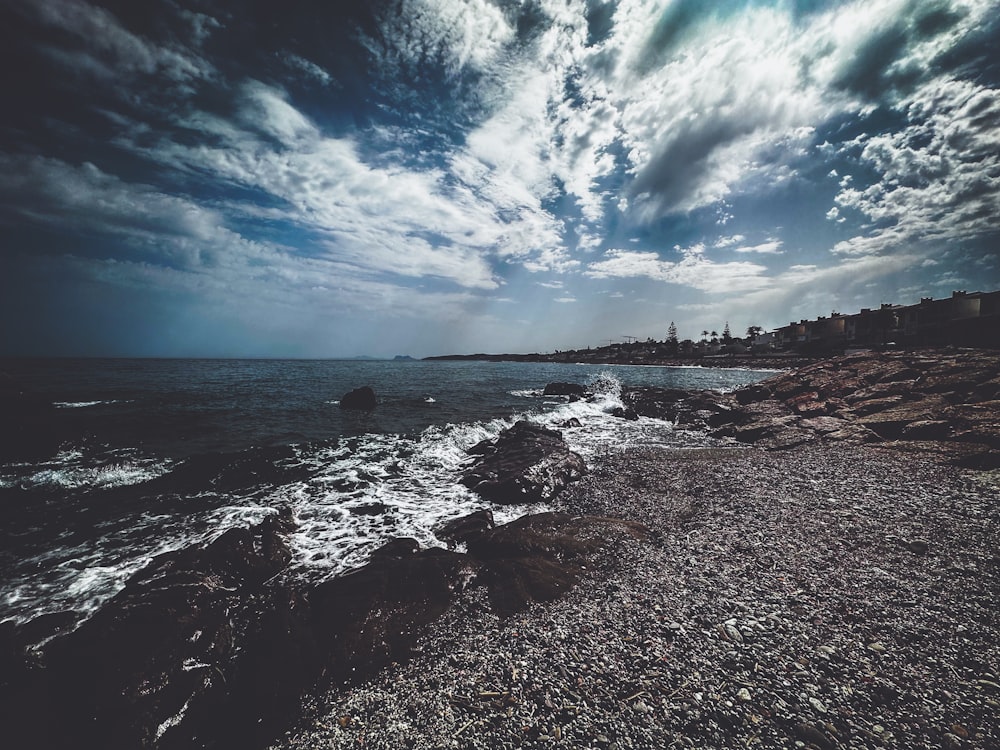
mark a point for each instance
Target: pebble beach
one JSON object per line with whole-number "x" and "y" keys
{"x": 835, "y": 595}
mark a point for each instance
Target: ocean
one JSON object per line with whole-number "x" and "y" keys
{"x": 151, "y": 455}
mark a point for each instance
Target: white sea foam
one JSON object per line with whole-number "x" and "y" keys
{"x": 84, "y": 404}
{"x": 371, "y": 489}
{"x": 70, "y": 470}
{"x": 361, "y": 492}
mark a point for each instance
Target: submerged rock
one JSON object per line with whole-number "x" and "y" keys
{"x": 528, "y": 464}
{"x": 361, "y": 399}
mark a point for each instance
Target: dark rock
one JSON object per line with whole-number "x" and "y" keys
{"x": 927, "y": 429}
{"x": 362, "y": 399}
{"x": 211, "y": 647}
{"x": 624, "y": 413}
{"x": 372, "y": 616}
{"x": 195, "y": 642}
{"x": 570, "y": 423}
{"x": 529, "y": 464}
{"x": 539, "y": 557}
{"x": 658, "y": 403}
{"x": 483, "y": 448}
{"x": 564, "y": 389}
{"x": 369, "y": 509}
{"x": 459, "y": 530}
{"x": 398, "y": 547}
{"x": 750, "y": 393}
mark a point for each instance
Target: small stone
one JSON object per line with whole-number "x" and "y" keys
{"x": 878, "y": 647}
{"x": 818, "y": 705}
{"x": 960, "y": 731}
{"x": 732, "y": 633}
{"x": 743, "y": 694}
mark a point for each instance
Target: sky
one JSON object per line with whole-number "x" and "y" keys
{"x": 420, "y": 177}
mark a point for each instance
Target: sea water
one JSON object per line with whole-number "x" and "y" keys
{"x": 155, "y": 455}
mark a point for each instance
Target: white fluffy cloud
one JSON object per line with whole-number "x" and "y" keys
{"x": 694, "y": 269}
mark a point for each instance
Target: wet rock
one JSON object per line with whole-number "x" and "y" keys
{"x": 459, "y": 530}
{"x": 360, "y": 399}
{"x": 195, "y": 642}
{"x": 625, "y": 413}
{"x": 564, "y": 389}
{"x": 529, "y": 464}
{"x": 398, "y": 547}
{"x": 571, "y": 423}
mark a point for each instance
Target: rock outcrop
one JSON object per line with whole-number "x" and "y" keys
{"x": 360, "y": 399}
{"x": 528, "y": 463}
{"x": 196, "y": 642}
{"x": 942, "y": 401}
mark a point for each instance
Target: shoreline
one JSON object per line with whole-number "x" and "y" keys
{"x": 838, "y": 595}
{"x": 747, "y": 362}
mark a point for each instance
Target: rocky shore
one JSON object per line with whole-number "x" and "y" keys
{"x": 837, "y": 596}
{"x": 841, "y": 594}
{"x": 825, "y": 576}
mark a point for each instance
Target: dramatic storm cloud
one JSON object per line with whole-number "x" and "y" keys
{"x": 200, "y": 177}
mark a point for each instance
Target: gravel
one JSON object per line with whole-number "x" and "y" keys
{"x": 832, "y": 596}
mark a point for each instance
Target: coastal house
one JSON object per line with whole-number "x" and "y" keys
{"x": 964, "y": 319}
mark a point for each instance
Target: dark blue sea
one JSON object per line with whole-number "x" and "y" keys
{"x": 127, "y": 458}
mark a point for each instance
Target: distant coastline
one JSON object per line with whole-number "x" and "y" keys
{"x": 615, "y": 356}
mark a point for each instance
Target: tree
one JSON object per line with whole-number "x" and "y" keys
{"x": 715, "y": 337}
{"x": 704, "y": 335}
{"x": 753, "y": 332}
{"x": 727, "y": 336}
{"x": 672, "y": 343}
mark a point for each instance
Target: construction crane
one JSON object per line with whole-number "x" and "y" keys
{"x": 633, "y": 339}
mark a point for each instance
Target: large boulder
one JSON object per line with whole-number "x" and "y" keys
{"x": 529, "y": 463}
{"x": 360, "y": 399}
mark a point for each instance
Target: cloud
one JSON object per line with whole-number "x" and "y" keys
{"x": 938, "y": 177}
{"x": 104, "y": 47}
{"x": 729, "y": 241}
{"x": 771, "y": 247}
{"x": 311, "y": 69}
{"x": 458, "y": 33}
{"x": 693, "y": 270}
